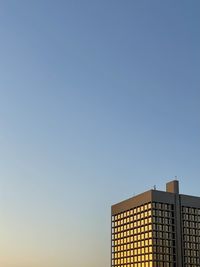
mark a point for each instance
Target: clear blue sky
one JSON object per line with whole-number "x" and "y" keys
{"x": 99, "y": 100}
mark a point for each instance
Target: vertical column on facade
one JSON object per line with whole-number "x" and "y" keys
{"x": 178, "y": 231}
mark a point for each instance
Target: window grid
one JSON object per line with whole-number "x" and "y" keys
{"x": 132, "y": 237}
{"x": 144, "y": 237}
{"x": 191, "y": 236}
{"x": 164, "y": 235}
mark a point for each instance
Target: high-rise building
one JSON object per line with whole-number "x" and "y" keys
{"x": 156, "y": 229}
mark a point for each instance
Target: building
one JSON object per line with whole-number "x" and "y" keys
{"x": 156, "y": 229}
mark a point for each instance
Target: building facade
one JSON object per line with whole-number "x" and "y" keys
{"x": 156, "y": 229}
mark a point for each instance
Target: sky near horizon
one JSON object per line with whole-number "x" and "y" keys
{"x": 99, "y": 101}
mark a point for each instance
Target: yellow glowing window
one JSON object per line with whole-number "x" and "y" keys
{"x": 150, "y": 220}
{"x": 131, "y": 212}
{"x": 146, "y": 243}
{"x": 131, "y": 232}
{"x": 142, "y": 257}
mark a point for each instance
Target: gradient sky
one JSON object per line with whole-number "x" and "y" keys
{"x": 99, "y": 100}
